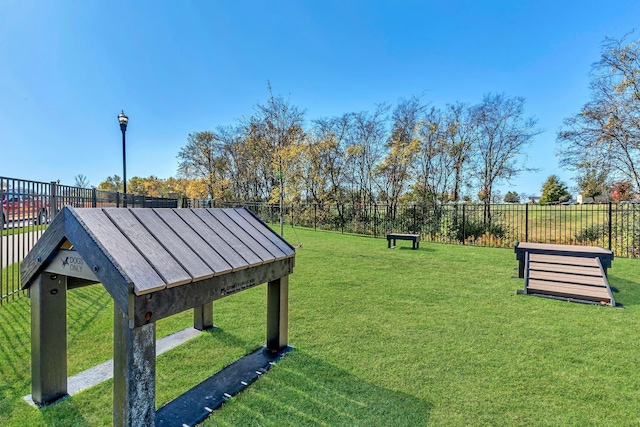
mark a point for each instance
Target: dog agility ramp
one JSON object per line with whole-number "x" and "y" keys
{"x": 578, "y": 279}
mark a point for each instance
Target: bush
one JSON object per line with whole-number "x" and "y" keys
{"x": 591, "y": 233}
{"x": 476, "y": 229}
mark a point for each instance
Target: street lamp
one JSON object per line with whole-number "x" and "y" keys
{"x": 123, "y": 120}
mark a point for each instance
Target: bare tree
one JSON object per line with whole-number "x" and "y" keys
{"x": 605, "y": 134}
{"x": 502, "y": 133}
{"x": 82, "y": 181}
{"x": 368, "y": 134}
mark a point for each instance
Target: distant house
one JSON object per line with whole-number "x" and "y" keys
{"x": 534, "y": 200}
{"x": 602, "y": 198}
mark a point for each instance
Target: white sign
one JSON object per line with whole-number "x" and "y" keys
{"x": 70, "y": 263}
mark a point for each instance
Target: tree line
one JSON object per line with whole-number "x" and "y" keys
{"x": 412, "y": 151}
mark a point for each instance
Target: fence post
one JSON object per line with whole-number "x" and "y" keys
{"x": 53, "y": 199}
{"x": 375, "y": 220}
{"x": 94, "y": 198}
{"x": 610, "y": 226}
{"x": 315, "y": 209}
{"x": 414, "y": 218}
{"x": 464, "y": 224}
{"x": 526, "y": 222}
{"x": 117, "y": 199}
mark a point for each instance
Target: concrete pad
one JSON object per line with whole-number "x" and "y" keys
{"x": 104, "y": 371}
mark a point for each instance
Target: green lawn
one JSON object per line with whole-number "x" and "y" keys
{"x": 382, "y": 337}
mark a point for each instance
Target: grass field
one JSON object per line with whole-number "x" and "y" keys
{"x": 382, "y": 337}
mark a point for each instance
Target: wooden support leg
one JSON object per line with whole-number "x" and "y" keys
{"x": 278, "y": 314}
{"x": 521, "y": 268}
{"x": 203, "y": 317}
{"x": 134, "y": 372}
{"x": 48, "y": 338}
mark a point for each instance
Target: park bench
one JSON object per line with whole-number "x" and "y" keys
{"x": 415, "y": 239}
{"x": 154, "y": 263}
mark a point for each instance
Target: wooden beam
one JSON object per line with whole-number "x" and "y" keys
{"x": 278, "y": 314}
{"x": 48, "y": 294}
{"x": 43, "y": 251}
{"x": 169, "y": 301}
{"x": 203, "y": 317}
{"x": 134, "y": 372}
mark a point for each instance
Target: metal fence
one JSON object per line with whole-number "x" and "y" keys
{"x": 29, "y": 206}
{"x": 615, "y": 226}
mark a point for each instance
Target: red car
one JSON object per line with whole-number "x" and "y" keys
{"x": 18, "y": 205}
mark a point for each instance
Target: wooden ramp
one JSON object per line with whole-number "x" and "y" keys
{"x": 571, "y": 278}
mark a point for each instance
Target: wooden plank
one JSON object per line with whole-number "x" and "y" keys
{"x": 185, "y": 256}
{"x": 180, "y": 298}
{"x": 44, "y": 250}
{"x": 403, "y": 236}
{"x": 192, "y": 239}
{"x": 241, "y": 235}
{"x": 114, "y": 279}
{"x": 255, "y": 234}
{"x": 567, "y": 289}
{"x": 531, "y": 247}
{"x": 266, "y": 231}
{"x": 121, "y": 251}
{"x": 240, "y": 247}
{"x": 567, "y": 278}
{"x": 564, "y": 260}
{"x": 246, "y": 232}
{"x": 149, "y": 247}
{"x": 218, "y": 244}
{"x": 560, "y": 268}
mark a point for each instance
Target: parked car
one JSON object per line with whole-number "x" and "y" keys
{"x": 19, "y": 205}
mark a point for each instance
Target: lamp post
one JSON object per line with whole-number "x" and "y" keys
{"x": 123, "y": 120}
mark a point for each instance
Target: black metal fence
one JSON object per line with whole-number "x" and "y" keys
{"x": 27, "y": 208}
{"x": 615, "y": 226}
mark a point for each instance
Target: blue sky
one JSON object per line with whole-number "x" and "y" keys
{"x": 69, "y": 67}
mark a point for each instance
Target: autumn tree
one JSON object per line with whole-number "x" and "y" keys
{"x": 621, "y": 191}
{"x": 459, "y": 133}
{"x": 501, "y": 135}
{"x": 277, "y": 130}
{"x": 111, "y": 183}
{"x": 203, "y": 159}
{"x": 554, "y": 191}
{"x": 512, "y": 197}
{"x": 605, "y": 134}
{"x": 434, "y": 161}
{"x": 325, "y": 159}
{"x": 396, "y": 169}
{"x": 592, "y": 181}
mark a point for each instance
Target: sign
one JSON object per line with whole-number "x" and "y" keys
{"x": 70, "y": 263}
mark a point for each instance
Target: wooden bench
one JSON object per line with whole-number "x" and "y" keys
{"x": 415, "y": 239}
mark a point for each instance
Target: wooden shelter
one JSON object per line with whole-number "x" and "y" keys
{"x": 154, "y": 263}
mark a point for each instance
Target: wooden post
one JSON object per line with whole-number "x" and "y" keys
{"x": 203, "y": 317}
{"x": 278, "y": 314}
{"x": 134, "y": 372}
{"x": 48, "y": 338}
